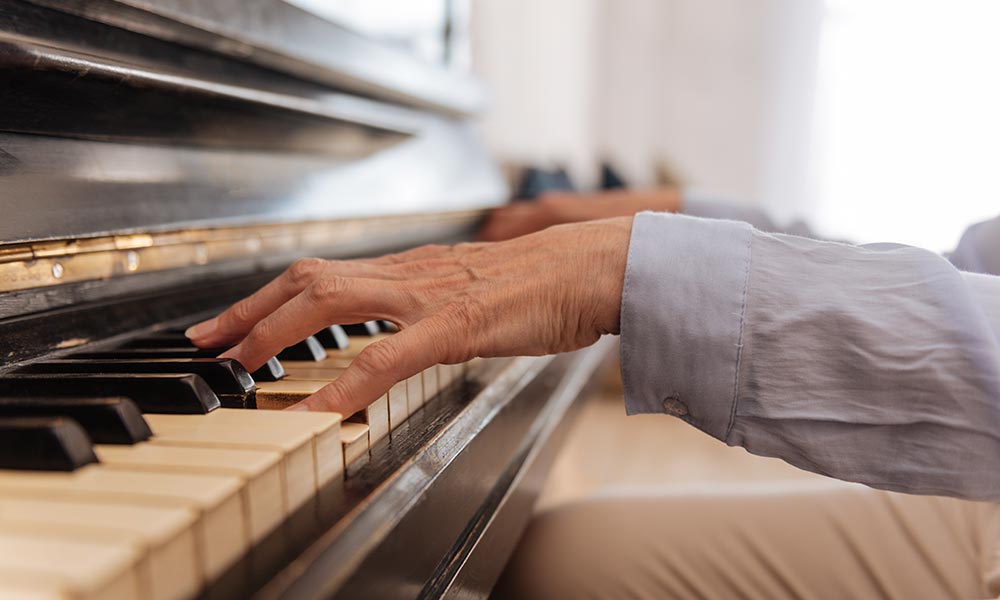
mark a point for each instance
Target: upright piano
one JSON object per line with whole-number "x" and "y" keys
{"x": 160, "y": 159}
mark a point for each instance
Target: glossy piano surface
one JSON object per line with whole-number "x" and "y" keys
{"x": 159, "y": 161}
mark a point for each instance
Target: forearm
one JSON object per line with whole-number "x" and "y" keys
{"x": 871, "y": 365}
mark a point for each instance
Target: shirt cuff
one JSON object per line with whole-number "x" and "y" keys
{"x": 682, "y": 312}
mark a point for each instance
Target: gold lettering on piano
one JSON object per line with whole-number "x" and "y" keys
{"x": 59, "y": 262}
{"x": 72, "y": 343}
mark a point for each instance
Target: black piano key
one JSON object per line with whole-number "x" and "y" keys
{"x": 160, "y": 340}
{"x": 270, "y": 371}
{"x": 178, "y": 352}
{"x": 44, "y": 444}
{"x": 106, "y": 420}
{"x": 156, "y": 393}
{"x": 307, "y": 349}
{"x": 332, "y": 338}
{"x": 387, "y": 326}
{"x": 366, "y": 329}
{"x": 223, "y": 375}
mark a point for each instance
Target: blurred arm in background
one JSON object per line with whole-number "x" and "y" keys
{"x": 555, "y": 208}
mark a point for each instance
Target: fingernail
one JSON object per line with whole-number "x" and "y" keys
{"x": 233, "y": 353}
{"x": 299, "y": 406}
{"x": 202, "y": 329}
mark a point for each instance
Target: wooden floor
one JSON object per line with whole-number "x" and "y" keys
{"x": 608, "y": 451}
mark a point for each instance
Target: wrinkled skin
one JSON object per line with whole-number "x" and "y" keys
{"x": 551, "y": 291}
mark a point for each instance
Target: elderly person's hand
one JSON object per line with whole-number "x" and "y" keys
{"x": 556, "y": 208}
{"x": 552, "y": 291}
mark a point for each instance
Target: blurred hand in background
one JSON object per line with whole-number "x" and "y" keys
{"x": 555, "y": 208}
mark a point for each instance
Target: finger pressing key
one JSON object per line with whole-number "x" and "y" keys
{"x": 329, "y": 300}
{"x": 380, "y": 366}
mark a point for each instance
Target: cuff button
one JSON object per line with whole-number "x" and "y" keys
{"x": 673, "y": 406}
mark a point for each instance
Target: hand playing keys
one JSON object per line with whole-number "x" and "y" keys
{"x": 552, "y": 291}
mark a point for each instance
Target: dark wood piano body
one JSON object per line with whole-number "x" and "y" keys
{"x": 159, "y": 160}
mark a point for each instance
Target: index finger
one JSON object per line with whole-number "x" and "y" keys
{"x": 381, "y": 365}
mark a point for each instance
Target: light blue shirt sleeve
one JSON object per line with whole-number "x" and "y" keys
{"x": 875, "y": 364}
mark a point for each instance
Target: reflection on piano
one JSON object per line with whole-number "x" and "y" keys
{"x": 158, "y": 162}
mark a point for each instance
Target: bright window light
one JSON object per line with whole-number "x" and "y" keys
{"x": 909, "y": 119}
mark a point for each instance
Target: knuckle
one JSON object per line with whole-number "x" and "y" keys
{"x": 304, "y": 270}
{"x": 380, "y": 357}
{"x": 240, "y": 314}
{"x": 323, "y": 290}
{"x": 261, "y": 333}
{"x": 467, "y": 313}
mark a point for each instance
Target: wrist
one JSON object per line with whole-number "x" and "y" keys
{"x": 608, "y": 250}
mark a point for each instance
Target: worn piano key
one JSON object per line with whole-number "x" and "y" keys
{"x": 414, "y": 393}
{"x": 325, "y": 427}
{"x": 221, "y": 529}
{"x": 431, "y": 385}
{"x": 80, "y": 570}
{"x": 449, "y": 374}
{"x": 366, "y": 329}
{"x": 307, "y": 349}
{"x": 308, "y": 442}
{"x": 106, "y": 420}
{"x": 398, "y": 405}
{"x": 332, "y": 338}
{"x": 354, "y": 437}
{"x": 166, "y": 393}
{"x": 168, "y": 563}
{"x": 259, "y": 469}
{"x": 43, "y": 444}
{"x": 297, "y": 467}
{"x": 227, "y": 378}
{"x": 375, "y": 415}
{"x": 282, "y": 394}
{"x": 278, "y": 395}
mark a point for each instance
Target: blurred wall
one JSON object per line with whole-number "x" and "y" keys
{"x": 720, "y": 89}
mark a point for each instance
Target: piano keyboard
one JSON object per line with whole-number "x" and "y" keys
{"x": 149, "y": 470}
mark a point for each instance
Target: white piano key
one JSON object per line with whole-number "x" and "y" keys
{"x": 171, "y": 569}
{"x": 297, "y": 467}
{"x": 355, "y": 440}
{"x": 375, "y": 415}
{"x": 398, "y": 405}
{"x": 414, "y": 393}
{"x": 221, "y": 530}
{"x": 81, "y": 570}
{"x": 431, "y": 387}
{"x": 278, "y": 395}
{"x": 309, "y": 441}
{"x": 259, "y": 469}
